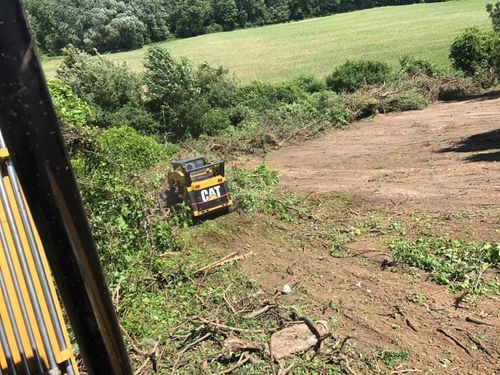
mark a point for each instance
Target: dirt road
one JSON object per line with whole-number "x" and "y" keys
{"x": 446, "y": 157}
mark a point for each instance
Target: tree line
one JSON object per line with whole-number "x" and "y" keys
{"x": 111, "y": 25}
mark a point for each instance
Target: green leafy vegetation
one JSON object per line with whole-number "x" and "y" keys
{"x": 316, "y": 47}
{"x": 494, "y": 12}
{"x": 257, "y": 191}
{"x": 177, "y": 101}
{"x": 352, "y": 76}
{"x": 120, "y": 25}
{"x": 459, "y": 264}
{"x": 477, "y": 52}
{"x": 472, "y": 51}
{"x": 122, "y": 129}
{"x": 413, "y": 66}
{"x": 392, "y": 358}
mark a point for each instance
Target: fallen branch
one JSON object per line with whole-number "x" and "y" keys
{"x": 346, "y": 364}
{"x": 116, "y": 297}
{"x": 244, "y": 358}
{"x": 228, "y": 303}
{"x": 343, "y": 343}
{"x": 410, "y": 324}
{"x": 475, "y": 340}
{"x": 454, "y": 339}
{"x": 285, "y": 370}
{"x": 204, "y": 368}
{"x": 228, "y": 328}
{"x": 233, "y": 257}
{"x": 406, "y": 371}
{"x": 261, "y": 311}
{"x": 302, "y": 214}
{"x": 477, "y": 321}
{"x": 195, "y": 342}
{"x": 312, "y": 327}
{"x": 483, "y": 270}
{"x": 133, "y": 343}
{"x": 152, "y": 358}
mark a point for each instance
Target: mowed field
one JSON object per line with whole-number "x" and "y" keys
{"x": 316, "y": 46}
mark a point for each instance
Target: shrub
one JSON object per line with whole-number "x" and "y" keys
{"x": 124, "y": 150}
{"x": 412, "y": 66}
{"x": 256, "y": 191}
{"x": 137, "y": 117}
{"x": 262, "y": 95}
{"x": 331, "y": 107}
{"x": 74, "y": 116}
{"x": 98, "y": 81}
{"x": 216, "y": 121}
{"x": 354, "y": 75}
{"x": 494, "y": 12}
{"x": 181, "y": 97}
{"x": 116, "y": 191}
{"x": 310, "y": 83}
{"x": 472, "y": 51}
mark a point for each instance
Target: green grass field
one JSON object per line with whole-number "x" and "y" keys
{"x": 317, "y": 45}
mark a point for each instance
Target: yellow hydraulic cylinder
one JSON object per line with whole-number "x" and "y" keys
{"x": 33, "y": 335}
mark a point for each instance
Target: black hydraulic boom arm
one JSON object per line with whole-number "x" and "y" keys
{"x": 30, "y": 127}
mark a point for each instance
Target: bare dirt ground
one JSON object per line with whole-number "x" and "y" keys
{"x": 381, "y": 310}
{"x": 446, "y": 157}
{"x": 434, "y": 173}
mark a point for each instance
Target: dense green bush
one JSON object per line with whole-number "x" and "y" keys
{"x": 123, "y": 150}
{"x": 184, "y": 99}
{"x": 136, "y": 116}
{"x": 473, "y": 51}
{"x": 113, "y": 168}
{"x": 413, "y": 66}
{"x": 352, "y": 76}
{"x": 114, "y": 92}
{"x": 74, "y": 116}
{"x": 310, "y": 83}
{"x": 99, "y": 81}
{"x": 115, "y": 188}
{"x": 255, "y": 191}
{"x": 494, "y": 12}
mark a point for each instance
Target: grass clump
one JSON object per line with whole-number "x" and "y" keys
{"x": 458, "y": 264}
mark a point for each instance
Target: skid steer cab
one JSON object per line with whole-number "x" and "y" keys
{"x": 200, "y": 184}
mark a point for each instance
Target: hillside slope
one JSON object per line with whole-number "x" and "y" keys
{"x": 423, "y": 175}
{"x": 317, "y": 45}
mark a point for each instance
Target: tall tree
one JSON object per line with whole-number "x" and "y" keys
{"x": 191, "y": 17}
{"x": 225, "y": 13}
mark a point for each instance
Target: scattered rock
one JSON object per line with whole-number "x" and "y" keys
{"x": 296, "y": 339}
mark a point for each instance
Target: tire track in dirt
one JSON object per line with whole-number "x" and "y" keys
{"x": 445, "y": 157}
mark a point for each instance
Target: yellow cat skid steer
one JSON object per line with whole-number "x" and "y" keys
{"x": 200, "y": 184}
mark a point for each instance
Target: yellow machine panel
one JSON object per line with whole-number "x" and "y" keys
{"x": 33, "y": 336}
